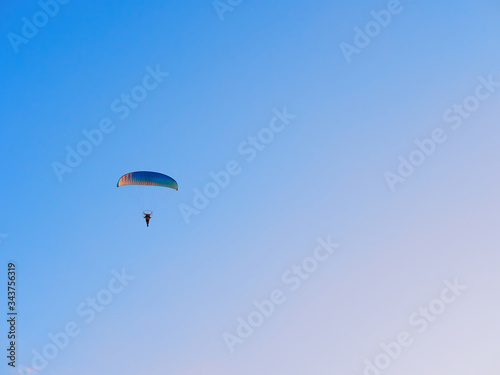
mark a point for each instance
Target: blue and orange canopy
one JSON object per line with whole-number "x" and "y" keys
{"x": 147, "y": 178}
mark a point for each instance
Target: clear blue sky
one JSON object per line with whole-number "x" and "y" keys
{"x": 324, "y": 175}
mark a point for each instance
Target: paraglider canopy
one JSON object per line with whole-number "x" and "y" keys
{"x": 147, "y": 178}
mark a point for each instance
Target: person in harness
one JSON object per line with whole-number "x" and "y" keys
{"x": 147, "y": 216}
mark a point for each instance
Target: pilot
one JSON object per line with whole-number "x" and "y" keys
{"x": 147, "y": 216}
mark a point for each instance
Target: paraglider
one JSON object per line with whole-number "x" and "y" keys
{"x": 146, "y": 178}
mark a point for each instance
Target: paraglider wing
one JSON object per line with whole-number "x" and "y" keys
{"x": 147, "y": 178}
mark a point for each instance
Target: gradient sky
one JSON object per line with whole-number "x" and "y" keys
{"x": 323, "y": 176}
